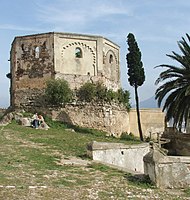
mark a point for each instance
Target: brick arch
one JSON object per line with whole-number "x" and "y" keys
{"x": 111, "y": 70}
{"x": 116, "y": 59}
{"x": 80, "y": 44}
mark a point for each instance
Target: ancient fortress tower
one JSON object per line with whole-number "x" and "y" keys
{"x": 76, "y": 58}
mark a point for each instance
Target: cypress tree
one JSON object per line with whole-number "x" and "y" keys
{"x": 135, "y": 72}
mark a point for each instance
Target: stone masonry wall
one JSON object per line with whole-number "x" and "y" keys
{"x": 94, "y": 64}
{"x": 39, "y": 57}
{"x": 112, "y": 119}
{"x": 179, "y": 143}
{"x": 31, "y": 66}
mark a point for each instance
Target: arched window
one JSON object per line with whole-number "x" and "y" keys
{"x": 111, "y": 58}
{"x": 78, "y": 52}
{"x": 37, "y": 52}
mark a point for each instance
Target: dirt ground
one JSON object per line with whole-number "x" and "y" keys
{"x": 35, "y": 171}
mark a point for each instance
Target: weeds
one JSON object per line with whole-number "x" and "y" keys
{"x": 187, "y": 192}
{"x": 140, "y": 180}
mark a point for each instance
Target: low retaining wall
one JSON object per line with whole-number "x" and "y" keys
{"x": 128, "y": 157}
{"x": 152, "y": 122}
{"x": 167, "y": 171}
{"x": 112, "y": 119}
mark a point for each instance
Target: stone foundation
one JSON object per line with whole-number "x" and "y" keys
{"x": 113, "y": 118}
{"x": 109, "y": 118}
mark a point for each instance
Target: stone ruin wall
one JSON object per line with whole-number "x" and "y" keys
{"x": 179, "y": 143}
{"x": 31, "y": 66}
{"x": 167, "y": 171}
{"x": 36, "y": 58}
{"x": 112, "y": 119}
{"x": 122, "y": 156}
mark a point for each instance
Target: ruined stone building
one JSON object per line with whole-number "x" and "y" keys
{"x": 76, "y": 58}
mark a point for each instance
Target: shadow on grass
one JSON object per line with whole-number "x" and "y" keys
{"x": 140, "y": 180}
{"x": 85, "y": 130}
{"x": 65, "y": 125}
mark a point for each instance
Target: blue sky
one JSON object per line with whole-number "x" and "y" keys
{"x": 156, "y": 24}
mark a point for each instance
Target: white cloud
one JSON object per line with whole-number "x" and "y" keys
{"x": 79, "y": 14}
{"x": 19, "y": 28}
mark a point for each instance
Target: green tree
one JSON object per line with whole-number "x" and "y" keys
{"x": 123, "y": 97}
{"x": 135, "y": 72}
{"x": 101, "y": 92}
{"x": 87, "y": 92}
{"x": 57, "y": 92}
{"x": 175, "y": 91}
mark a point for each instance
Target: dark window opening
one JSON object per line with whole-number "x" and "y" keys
{"x": 22, "y": 46}
{"x": 111, "y": 59}
{"x": 78, "y": 52}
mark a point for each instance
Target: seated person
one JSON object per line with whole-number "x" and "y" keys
{"x": 35, "y": 122}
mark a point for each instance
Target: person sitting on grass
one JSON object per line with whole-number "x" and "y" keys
{"x": 36, "y": 121}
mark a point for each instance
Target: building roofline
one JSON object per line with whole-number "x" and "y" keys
{"x": 67, "y": 33}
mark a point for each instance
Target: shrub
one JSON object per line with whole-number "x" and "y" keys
{"x": 111, "y": 96}
{"x": 123, "y": 97}
{"x": 98, "y": 92}
{"x": 57, "y": 92}
{"x": 87, "y": 92}
{"x": 126, "y": 136}
{"x": 101, "y": 92}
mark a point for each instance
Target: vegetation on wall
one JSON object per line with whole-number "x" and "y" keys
{"x": 86, "y": 92}
{"x": 58, "y": 92}
{"x": 97, "y": 92}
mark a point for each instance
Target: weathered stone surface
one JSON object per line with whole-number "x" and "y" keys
{"x": 6, "y": 119}
{"x": 167, "y": 171}
{"x": 37, "y": 58}
{"x": 112, "y": 119}
{"x": 179, "y": 144}
{"x": 128, "y": 157}
{"x": 25, "y": 121}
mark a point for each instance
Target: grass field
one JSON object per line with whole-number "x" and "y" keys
{"x": 34, "y": 165}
